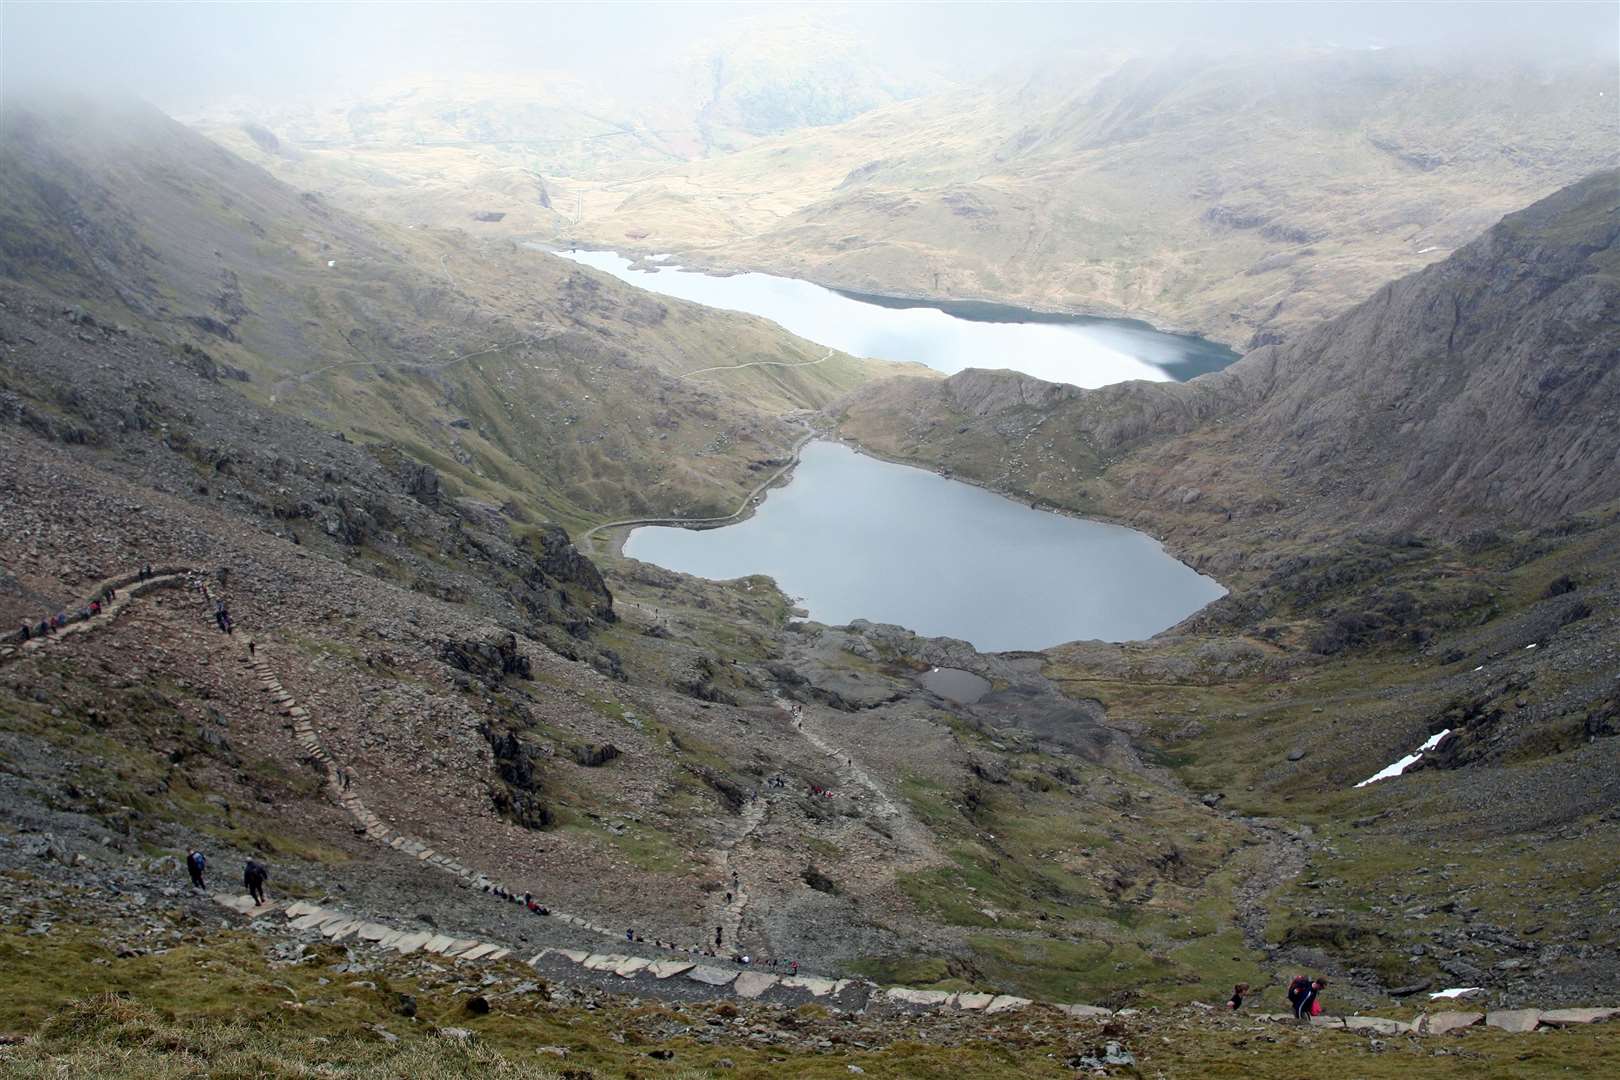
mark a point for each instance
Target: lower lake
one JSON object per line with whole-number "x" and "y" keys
{"x": 857, "y": 538}
{"x": 946, "y": 335}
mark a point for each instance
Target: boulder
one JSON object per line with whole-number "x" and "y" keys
{"x": 1516, "y": 1020}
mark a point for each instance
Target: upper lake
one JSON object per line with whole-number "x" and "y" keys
{"x": 856, "y": 538}
{"x": 945, "y": 335}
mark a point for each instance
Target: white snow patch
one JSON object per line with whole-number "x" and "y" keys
{"x": 1531, "y": 645}
{"x": 1396, "y": 768}
{"x": 1457, "y": 992}
{"x": 1480, "y": 668}
{"x": 330, "y": 263}
{"x": 1425, "y": 251}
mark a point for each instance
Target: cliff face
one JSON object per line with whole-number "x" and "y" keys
{"x": 1487, "y": 385}
{"x": 1483, "y": 389}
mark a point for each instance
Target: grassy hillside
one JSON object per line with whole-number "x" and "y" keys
{"x": 524, "y": 378}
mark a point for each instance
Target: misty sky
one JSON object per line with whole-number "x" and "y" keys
{"x": 189, "y": 55}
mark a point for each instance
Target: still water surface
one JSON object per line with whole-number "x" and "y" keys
{"x": 856, "y": 537}
{"x": 948, "y": 336}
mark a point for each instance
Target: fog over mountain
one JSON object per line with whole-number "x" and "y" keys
{"x": 185, "y": 56}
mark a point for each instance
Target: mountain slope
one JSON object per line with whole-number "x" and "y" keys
{"x": 1245, "y": 197}
{"x": 486, "y": 361}
{"x": 1483, "y": 389}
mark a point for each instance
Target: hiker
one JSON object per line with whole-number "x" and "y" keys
{"x": 719, "y": 937}
{"x": 630, "y": 934}
{"x": 195, "y": 864}
{"x": 1238, "y": 993}
{"x": 24, "y": 633}
{"x": 254, "y": 875}
{"x": 728, "y": 898}
{"x": 344, "y": 776}
{"x": 250, "y": 648}
{"x": 1303, "y": 993}
{"x": 794, "y": 967}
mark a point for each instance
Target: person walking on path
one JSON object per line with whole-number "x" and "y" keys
{"x": 1239, "y": 992}
{"x": 251, "y": 647}
{"x": 196, "y": 863}
{"x": 254, "y": 875}
{"x": 1303, "y": 994}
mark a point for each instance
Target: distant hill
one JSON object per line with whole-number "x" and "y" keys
{"x": 1244, "y": 197}
{"x": 1482, "y": 391}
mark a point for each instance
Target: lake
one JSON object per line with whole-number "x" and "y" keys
{"x": 945, "y": 335}
{"x": 854, "y": 537}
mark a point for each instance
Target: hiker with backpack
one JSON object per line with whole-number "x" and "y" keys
{"x": 1304, "y": 996}
{"x": 254, "y": 875}
{"x": 196, "y": 862}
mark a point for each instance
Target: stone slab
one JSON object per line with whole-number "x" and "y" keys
{"x": 1086, "y": 1010}
{"x": 929, "y": 998}
{"x": 300, "y": 908}
{"x": 478, "y": 952}
{"x": 438, "y": 943}
{"x": 665, "y": 969}
{"x": 310, "y": 921}
{"x": 371, "y": 931}
{"x": 1515, "y": 1020}
{"x": 631, "y": 966}
{"x": 1565, "y": 1017}
{"x": 603, "y": 961}
{"x": 974, "y": 1001}
{"x": 711, "y": 976}
{"x": 751, "y": 984}
{"x": 1378, "y": 1025}
{"x": 1441, "y": 1022}
{"x": 1006, "y": 1003}
{"x": 409, "y": 943}
{"x": 459, "y": 947}
{"x": 499, "y": 954}
{"x": 817, "y": 987}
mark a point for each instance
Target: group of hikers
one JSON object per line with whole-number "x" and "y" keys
{"x": 254, "y": 875}
{"x": 51, "y": 624}
{"x": 1304, "y": 996}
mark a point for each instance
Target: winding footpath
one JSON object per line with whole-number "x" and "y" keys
{"x": 750, "y": 983}
{"x": 758, "y": 363}
{"x": 588, "y": 538}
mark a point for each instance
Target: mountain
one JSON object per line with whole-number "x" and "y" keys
{"x": 486, "y": 361}
{"x": 1482, "y": 389}
{"x": 1245, "y": 197}
{"x": 370, "y": 441}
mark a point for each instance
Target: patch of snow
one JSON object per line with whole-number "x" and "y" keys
{"x": 1425, "y": 251}
{"x": 1457, "y": 992}
{"x": 330, "y": 263}
{"x": 1398, "y": 767}
{"x": 1480, "y": 668}
{"x": 1531, "y": 645}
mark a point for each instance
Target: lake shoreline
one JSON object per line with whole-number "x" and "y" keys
{"x": 868, "y": 293}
